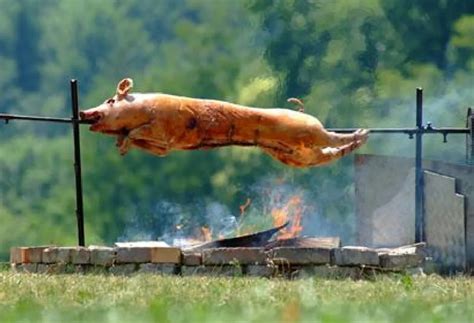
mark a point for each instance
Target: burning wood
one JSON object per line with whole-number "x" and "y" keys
{"x": 159, "y": 123}
{"x": 258, "y": 239}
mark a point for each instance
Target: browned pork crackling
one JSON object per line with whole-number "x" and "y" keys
{"x": 160, "y": 123}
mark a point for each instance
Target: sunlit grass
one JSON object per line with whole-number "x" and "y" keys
{"x": 30, "y": 297}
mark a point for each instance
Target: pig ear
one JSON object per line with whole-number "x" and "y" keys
{"x": 123, "y": 87}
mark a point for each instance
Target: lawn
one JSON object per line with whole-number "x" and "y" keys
{"x": 149, "y": 298}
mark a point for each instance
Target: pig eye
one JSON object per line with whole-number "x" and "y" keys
{"x": 110, "y": 101}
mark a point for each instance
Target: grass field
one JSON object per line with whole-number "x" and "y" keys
{"x": 148, "y": 298}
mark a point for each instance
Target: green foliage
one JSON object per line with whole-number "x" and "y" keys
{"x": 354, "y": 63}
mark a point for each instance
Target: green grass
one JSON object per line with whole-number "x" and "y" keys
{"x": 149, "y": 298}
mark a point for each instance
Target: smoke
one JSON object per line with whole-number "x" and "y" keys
{"x": 181, "y": 224}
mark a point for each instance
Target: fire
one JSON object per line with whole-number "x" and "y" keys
{"x": 292, "y": 211}
{"x": 206, "y": 234}
{"x": 244, "y": 207}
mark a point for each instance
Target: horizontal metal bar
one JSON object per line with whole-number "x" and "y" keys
{"x": 8, "y": 117}
{"x": 408, "y": 131}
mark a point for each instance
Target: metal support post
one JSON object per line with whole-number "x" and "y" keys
{"x": 419, "y": 214}
{"x": 77, "y": 163}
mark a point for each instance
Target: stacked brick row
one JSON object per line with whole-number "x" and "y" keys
{"x": 290, "y": 262}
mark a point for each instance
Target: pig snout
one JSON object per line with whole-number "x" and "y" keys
{"x": 92, "y": 117}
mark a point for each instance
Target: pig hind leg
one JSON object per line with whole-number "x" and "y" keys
{"x": 305, "y": 157}
{"x": 338, "y": 139}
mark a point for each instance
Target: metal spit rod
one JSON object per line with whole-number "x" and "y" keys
{"x": 408, "y": 131}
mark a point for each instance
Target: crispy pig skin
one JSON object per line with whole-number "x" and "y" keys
{"x": 159, "y": 123}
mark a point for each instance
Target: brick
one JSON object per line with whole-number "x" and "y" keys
{"x": 57, "y": 255}
{"x": 16, "y": 255}
{"x": 329, "y": 272}
{"x": 170, "y": 269}
{"x": 400, "y": 261}
{"x": 50, "y": 255}
{"x": 123, "y": 269}
{"x": 80, "y": 256}
{"x": 225, "y": 271}
{"x": 27, "y": 254}
{"x": 213, "y": 271}
{"x": 300, "y": 256}
{"x": 149, "y": 268}
{"x": 165, "y": 255}
{"x": 58, "y": 268}
{"x": 192, "y": 270}
{"x": 241, "y": 256}
{"x": 355, "y": 256}
{"x": 162, "y": 269}
{"x": 94, "y": 270}
{"x": 35, "y": 254}
{"x": 259, "y": 270}
{"x": 192, "y": 259}
{"x": 42, "y": 268}
{"x": 64, "y": 254}
{"x": 25, "y": 268}
{"x": 102, "y": 256}
{"x": 133, "y": 255}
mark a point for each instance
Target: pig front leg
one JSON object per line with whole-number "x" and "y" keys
{"x": 141, "y": 137}
{"x": 123, "y": 142}
{"x": 150, "y": 147}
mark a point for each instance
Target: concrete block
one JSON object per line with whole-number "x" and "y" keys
{"x": 329, "y": 272}
{"x": 213, "y": 271}
{"x": 80, "y": 256}
{"x": 57, "y": 255}
{"x": 133, "y": 255}
{"x": 27, "y": 254}
{"x": 149, "y": 268}
{"x": 164, "y": 255}
{"x": 192, "y": 270}
{"x": 400, "y": 261}
{"x": 102, "y": 256}
{"x": 170, "y": 269}
{"x": 42, "y": 268}
{"x": 259, "y": 270}
{"x": 29, "y": 268}
{"x": 64, "y": 254}
{"x": 123, "y": 269}
{"x": 241, "y": 256}
{"x": 192, "y": 259}
{"x": 16, "y": 255}
{"x": 299, "y": 256}
{"x": 50, "y": 255}
{"x": 355, "y": 256}
{"x": 162, "y": 269}
{"x": 59, "y": 268}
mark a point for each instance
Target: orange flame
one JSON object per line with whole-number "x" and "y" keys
{"x": 206, "y": 234}
{"x": 244, "y": 206}
{"x": 292, "y": 211}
